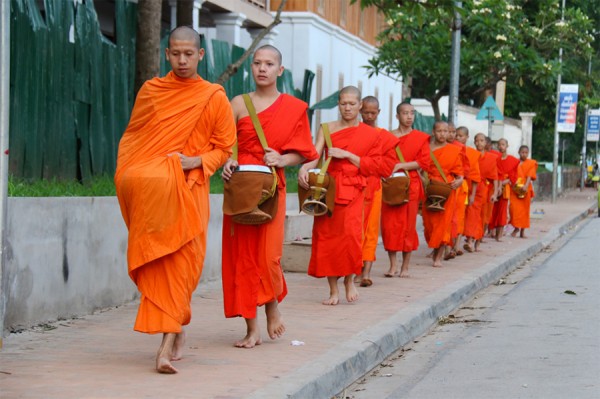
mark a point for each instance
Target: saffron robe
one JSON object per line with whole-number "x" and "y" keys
{"x": 251, "y": 266}
{"x": 507, "y": 169}
{"x": 473, "y": 176}
{"x": 489, "y": 205}
{"x": 462, "y": 192}
{"x": 519, "y": 207}
{"x": 373, "y": 194}
{"x": 399, "y": 223}
{"x": 437, "y": 224}
{"x": 337, "y": 239}
{"x": 475, "y": 216}
{"x": 166, "y": 209}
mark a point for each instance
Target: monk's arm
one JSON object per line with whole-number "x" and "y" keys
{"x": 303, "y": 172}
{"x": 343, "y": 154}
{"x": 473, "y": 192}
{"x": 274, "y": 158}
{"x": 412, "y": 165}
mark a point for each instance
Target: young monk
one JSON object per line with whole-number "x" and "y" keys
{"x": 458, "y": 212}
{"x": 519, "y": 203}
{"x": 437, "y": 224}
{"x": 486, "y": 192}
{"x": 399, "y": 222}
{"x": 180, "y": 132}
{"x": 489, "y": 206}
{"x": 507, "y": 176}
{"x": 337, "y": 240}
{"x": 252, "y": 274}
{"x": 372, "y": 212}
{"x": 469, "y": 187}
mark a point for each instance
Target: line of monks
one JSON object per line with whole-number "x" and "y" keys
{"x": 183, "y": 129}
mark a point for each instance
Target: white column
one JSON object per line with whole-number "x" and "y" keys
{"x": 229, "y": 26}
{"x": 527, "y": 129}
{"x": 173, "y": 5}
{"x": 196, "y": 15}
{"x": 268, "y": 39}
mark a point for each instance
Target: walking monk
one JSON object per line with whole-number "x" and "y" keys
{"x": 520, "y": 202}
{"x": 399, "y": 222}
{"x": 372, "y": 213}
{"x": 507, "y": 176}
{"x": 486, "y": 193}
{"x": 449, "y": 164}
{"x": 180, "y": 132}
{"x": 337, "y": 239}
{"x": 252, "y": 274}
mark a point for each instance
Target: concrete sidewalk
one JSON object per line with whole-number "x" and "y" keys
{"x": 99, "y": 356}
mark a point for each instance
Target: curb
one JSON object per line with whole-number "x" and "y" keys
{"x": 339, "y": 367}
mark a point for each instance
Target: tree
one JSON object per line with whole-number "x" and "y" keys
{"x": 517, "y": 40}
{"x": 147, "y": 50}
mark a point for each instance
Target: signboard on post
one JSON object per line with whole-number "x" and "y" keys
{"x": 567, "y": 108}
{"x": 593, "y": 125}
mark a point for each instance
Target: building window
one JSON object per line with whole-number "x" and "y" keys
{"x": 321, "y": 7}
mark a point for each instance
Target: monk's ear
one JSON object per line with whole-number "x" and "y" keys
{"x": 201, "y": 53}
{"x": 281, "y": 69}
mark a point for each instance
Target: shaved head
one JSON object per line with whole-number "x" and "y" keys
{"x": 274, "y": 49}
{"x": 503, "y": 140}
{"x": 185, "y": 34}
{"x": 350, "y": 90}
{"x": 371, "y": 100}
{"x": 403, "y": 104}
{"x": 463, "y": 129}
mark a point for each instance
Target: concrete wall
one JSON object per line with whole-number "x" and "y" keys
{"x": 66, "y": 257}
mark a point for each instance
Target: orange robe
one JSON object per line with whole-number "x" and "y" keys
{"x": 251, "y": 266}
{"x": 166, "y": 209}
{"x": 399, "y": 223}
{"x": 476, "y": 212}
{"x": 472, "y": 215}
{"x": 458, "y": 213}
{"x": 507, "y": 169}
{"x": 519, "y": 207}
{"x": 472, "y": 176}
{"x": 372, "y": 211}
{"x": 337, "y": 239}
{"x": 437, "y": 224}
{"x": 489, "y": 205}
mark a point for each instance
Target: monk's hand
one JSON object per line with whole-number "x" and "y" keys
{"x": 338, "y": 153}
{"x": 273, "y": 159}
{"x": 303, "y": 178}
{"x": 457, "y": 182}
{"x": 187, "y": 163}
{"x": 472, "y": 198}
{"x": 229, "y": 168}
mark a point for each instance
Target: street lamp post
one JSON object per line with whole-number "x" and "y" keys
{"x": 556, "y": 134}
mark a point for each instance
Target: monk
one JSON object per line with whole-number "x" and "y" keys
{"x": 489, "y": 206}
{"x": 458, "y": 213}
{"x": 519, "y": 202}
{"x": 437, "y": 224}
{"x": 399, "y": 222}
{"x": 252, "y": 274}
{"x": 486, "y": 193}
{"x": 180, "y": 132}
{"x": 337, "y": 239}
{"x": 507, "y": 176}
{"x": 372, "y": 212}
{"x": 469, "y": 187}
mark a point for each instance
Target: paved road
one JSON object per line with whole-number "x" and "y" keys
{"x": 525, "y": 337}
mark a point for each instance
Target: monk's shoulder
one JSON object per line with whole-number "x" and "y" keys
{"x": 293, "y": 102}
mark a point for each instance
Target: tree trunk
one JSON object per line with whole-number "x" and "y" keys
{"x": 185, "y": 9}
{"x": 147, "y": 49}
{"x": 435, "y": 104}
{"x": 406, "y": 88}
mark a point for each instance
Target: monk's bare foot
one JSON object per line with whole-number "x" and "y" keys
{"x": 249, "y": 341}
{"x": 523, "y": 235}
{"x": 163, "y": 357}
{"x": 178, "y": 346}
{"x": 332, "y": 300}
{"x": 514, "y": 233}
{"x": 275, "y": 326}
{"x": 404, "y": 274}
{"x": 391, "y": 272}
{"x": 429, "y": 255}
{"x": 351, "y": 291}
{"x": 357, "y": 279}
{"x": 468, "y": 247}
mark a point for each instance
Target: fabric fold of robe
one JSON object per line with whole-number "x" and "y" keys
{"x": 519, "y": 208}
{"x": 399, "y": 223}
{"x": 337, "y": 239}
{"x": 251, "y": 267}
{"x": 475, "y": 215}
{"x": 166, "y": 210}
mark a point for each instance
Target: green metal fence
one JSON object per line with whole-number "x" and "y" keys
{"x": 72, "y": 88}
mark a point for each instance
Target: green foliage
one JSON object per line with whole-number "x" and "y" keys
{"x": 97, "y": 186}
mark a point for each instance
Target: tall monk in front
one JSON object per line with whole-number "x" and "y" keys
{"x": 446, "y": 166}
{"x": 521, "y": 193}
{"x": 252, "y": 274}
{"x": 399, "y": 222}
{"x": 337, "y": 239}
{"x": 486, "y": 193}
{"x": 372, "y": 211}
{"x": 472, "y": 180}
{"x": 180, "y": 132}
{"x": 507, "y": 176}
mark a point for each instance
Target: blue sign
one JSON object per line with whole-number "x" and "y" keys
{"x": 593, "y": 125}
{"x": 490, "y": 111}
{"x": 567, "y": 108}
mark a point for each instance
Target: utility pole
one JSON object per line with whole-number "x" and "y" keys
{"x": 583, "y": 147}
{"x": 455, "y": 66}
{"x": 556, "y": 134}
